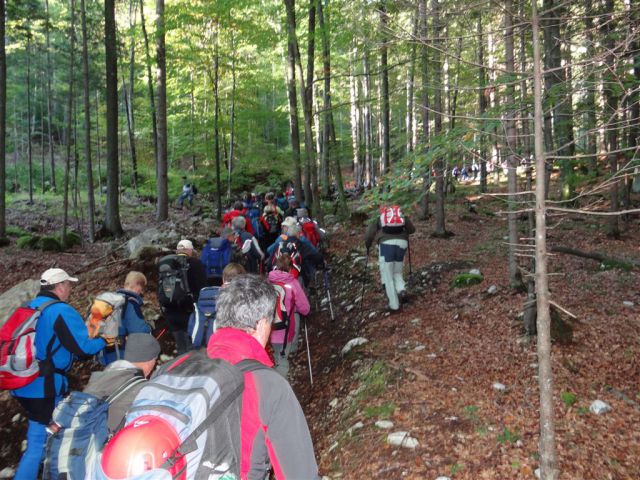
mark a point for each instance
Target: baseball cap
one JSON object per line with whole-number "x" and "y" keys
{"x": 289, "y": 222}
{"x": 185, "y": 245}
{"x": 55, "y": 275}
{"x": 141, "y": 347}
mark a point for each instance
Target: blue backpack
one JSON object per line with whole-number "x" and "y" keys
{"x": 254, "y": 215}
{"x": 215, "y": 255}
{"x": 78, "y": 431}
{"x": 202, "y": 320}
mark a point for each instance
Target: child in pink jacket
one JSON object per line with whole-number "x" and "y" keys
{"x": 295, "y": 302}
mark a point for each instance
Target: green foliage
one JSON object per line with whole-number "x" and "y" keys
{"x": 13, "y": 231}
{"x": 50, "y": 244}
{"x": 383, "y": 411}
{"x": 456, "y": 468}
{"x": 72, "y": 239}
{"x": 568, "y": 398}
{"x": 28, "y": 241}
{"x": 507, "y": 436}
{"x": 373, "y": 381}
{"x": 466, "y": 280}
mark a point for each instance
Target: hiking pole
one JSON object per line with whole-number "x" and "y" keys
{"x": 306, "y": 338}
{"x": 409, "y": 250}
{"x": 364, "y": 280}
{"x": 161, "y": 333}
{"x": 328, "y": 289}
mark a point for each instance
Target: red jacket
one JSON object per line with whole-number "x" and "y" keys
{"x": 226, "y": 220}
{"x": 273, "y": 427}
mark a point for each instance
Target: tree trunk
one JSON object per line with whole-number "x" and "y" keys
{"x": 548, "y": 462}
{"x": 29, "y": 122}
{"x": 411, "y": 75}
{"x": 482, "y": 105}
{"x": 162, "y": 167}
{"x": 326, "y": 97}
{"x": 87, "y": 123}
{"x": 370, "y": 177}
{"x": 49, "y": 74}
{"x": 294, "y": 129}
{"x": 440, "y": 230}
{"x": 385, "y": 161}
{"x": 67, "y": 166}
{"x": 590, "y": 96}
{"x": 128, "y": 97}
{"x": 354, "y": 118}
{"x": 515, "y": 280}
{"x": 98, "y": 146}
{"x": 3, "y": 123}
{"x": 152, "y": 97}
{"x": 112, "y": 224}
{"x": 424, "y": 65}
{"x": 216, "y": 120}
{"x": 233, "y": 111}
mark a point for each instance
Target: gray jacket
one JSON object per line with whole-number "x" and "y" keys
{"x": 104, "y": 383}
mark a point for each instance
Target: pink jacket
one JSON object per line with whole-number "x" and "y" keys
{"x": 295, "y": 301}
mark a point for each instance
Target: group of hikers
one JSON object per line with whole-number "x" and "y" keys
{"x": 223, "y": 408}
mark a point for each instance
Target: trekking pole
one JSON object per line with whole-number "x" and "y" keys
{"x": 306, "y": 338}
{"x": 409, "y": 250}
{"x": 328, "y": 289}
{"x": 161, "y": 333}
{"x": 364, "y": 280}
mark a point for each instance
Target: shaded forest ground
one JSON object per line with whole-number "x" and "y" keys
{"x": 430, "y": 369}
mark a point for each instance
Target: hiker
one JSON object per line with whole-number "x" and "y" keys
{"x": 475, "y": 169}
{"x": 188, "y": 192}
{"x": 271, "y": 222}
{"x": 274, "y": 431}
{"x": 292, "y": 209}
{"x": 312, "y": 259}
{"x": 248, "y": 245}
{"x": 270, "y": 200}
{"x": 202, "y": 320}
{"x": 182, "y": 276}
{"x": 282, "y": 202}
{"x": 132, "y": 316}
{"x": 139, "y": 360}
{"x": 216, "y": 254}
{"x": 237, "y": 210}
{"x": 61, "y": 336}
{"x": 391, "y": 230}
{"x": 310, "y": 228}
{"x": 284, "y": 228}
{"x": 295, "y": 303}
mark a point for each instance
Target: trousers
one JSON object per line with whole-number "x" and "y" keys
{"x": 391, "y": 260}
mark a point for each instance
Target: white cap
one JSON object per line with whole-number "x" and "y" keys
{"x": 185, "y": 245}
{"x": 55, "y": 275}
{"x": 289, "y": 221}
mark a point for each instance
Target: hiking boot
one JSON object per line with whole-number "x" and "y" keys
{"x": 393, "y": 311}
{"x": 405, "y": 297}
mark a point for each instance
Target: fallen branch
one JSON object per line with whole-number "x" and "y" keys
{"x": 624, "y": 263}
{"x": 93, "y": 262}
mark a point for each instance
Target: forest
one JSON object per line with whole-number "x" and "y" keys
{"x": 523, "y": 112}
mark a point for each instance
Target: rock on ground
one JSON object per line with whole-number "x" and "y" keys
{"x": 16, "y": 296}
{"x": 354, "y": 342}
{"x": 402, "y": 439}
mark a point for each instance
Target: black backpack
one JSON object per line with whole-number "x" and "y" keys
{"x": 273, "y": 220}
{"x": 290, "y": 247}
{"x": 173, "y": 283}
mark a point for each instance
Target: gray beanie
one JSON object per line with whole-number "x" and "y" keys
{"x": 141, "y": 347}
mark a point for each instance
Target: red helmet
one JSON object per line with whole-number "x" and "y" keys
{"x": 141, "y": 446}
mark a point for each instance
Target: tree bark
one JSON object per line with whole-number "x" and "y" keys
{"x": 354, "y": 118}
{"x": 49, "y": 74}
{"x": 482, "y": 105}
{"x": 369, "y": 177}
{"x": 233, "y": 110}
{"x": 515, "y": 279}
{"x": 152, "y": 97}
{"x": 216, "y": 120}
{"x": 128, "y": 97}
{"x": 424, "y": 61}
{"x": 411, "y": 75}
{"x": 548, "y": 461}
{"x": 29, "y": 121}
{"x": 112, "y": 224}
{"x": 162, "y": 167}
{"x": 384, "y": 73}
{"x": 3, "y": 123}
{"x": 87, "y": 123}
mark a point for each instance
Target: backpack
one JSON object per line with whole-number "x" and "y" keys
{"x": 78, "y": 431}
{"x": 289, "y": 247}
{"x": 215, "y": 255}
{"x": 254, "y": 217}
{"x": 104, "y": 316}
{"x": 201, "y": 399}
{"x": 18, "y": 363}
{"x": 310, "y": 231}
{"x": 173, "y": 283}
{"x": 273, "y": 221}
{"x": 202, "y": 320}
{"x": 392, "y": 219}
{"x": 281, "y": 319}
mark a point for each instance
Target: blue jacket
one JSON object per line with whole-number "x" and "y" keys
{"x": 62, "y": 329}
{"x": 132, "y": 322}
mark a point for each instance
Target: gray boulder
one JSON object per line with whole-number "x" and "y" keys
{"x": 16, "y": 296}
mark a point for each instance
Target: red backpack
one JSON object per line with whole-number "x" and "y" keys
{"x": 310, "y": 232}
{"x": 392, "y": 219}
{"x": 18, "y": 363}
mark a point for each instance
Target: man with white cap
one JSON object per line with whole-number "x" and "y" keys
{"x": 177, "y": 312}
{"x": 61, "y": 337}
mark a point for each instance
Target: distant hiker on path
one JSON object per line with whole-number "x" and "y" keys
{"x": 391, "y": 230}
{"x": 189, "y": 190}
{"x": 61, "y": 337}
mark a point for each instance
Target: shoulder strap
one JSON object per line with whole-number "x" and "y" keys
{"x": 135, "y": 380}
{"x": 250, "y": 365}
{"x": 47, "y": 304}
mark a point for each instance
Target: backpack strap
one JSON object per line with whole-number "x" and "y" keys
{"x": 135, "y": 380}
{"x": 189, "y": 444}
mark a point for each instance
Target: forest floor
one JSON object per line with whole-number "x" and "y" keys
{"x": 430, "y": 370}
